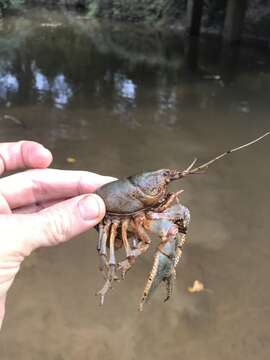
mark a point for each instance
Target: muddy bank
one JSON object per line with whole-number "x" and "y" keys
{"x": 148, "y": 11}
{"x": 72, "y": 3}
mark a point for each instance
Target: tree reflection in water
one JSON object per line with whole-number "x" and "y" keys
{"x": 81, "y": 64}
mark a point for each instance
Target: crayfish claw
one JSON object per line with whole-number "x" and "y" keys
{"x": 163, "y": 267}
{"x": 150, "y": 283}
{"x": 170, "y": 284}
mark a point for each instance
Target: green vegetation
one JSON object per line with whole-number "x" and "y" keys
{"x": 149, "y": 11}
{"x": 6, "y": 5}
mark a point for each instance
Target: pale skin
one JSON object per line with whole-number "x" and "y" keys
{"x": 40, "y": 207}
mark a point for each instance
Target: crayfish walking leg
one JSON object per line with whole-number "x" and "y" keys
{"x": 142, "y": 242}
{"x": 110, "y": 276}
{"x": 102, "y": 245}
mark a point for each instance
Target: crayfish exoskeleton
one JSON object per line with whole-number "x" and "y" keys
{"x": 134, "y": 205}
{"x": 140, "y": 203}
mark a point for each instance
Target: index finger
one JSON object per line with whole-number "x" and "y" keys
{"x": 34, "y": 186}
{"x": 23, "y": 154}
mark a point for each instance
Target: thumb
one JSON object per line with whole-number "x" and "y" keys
{"x": 2, "y": 309}
{"x": 52, "y": 225}
{"x": 66, "y": 220}
{"x": 24, "y": 233}
{"x": 21, "y": 234}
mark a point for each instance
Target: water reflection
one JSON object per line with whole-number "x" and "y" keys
{"x": 8, "y": 85}
{"x": 57, "y": 88}
{"x": 125, "y": 87}
{"x": 61, "y": 91}
{"x": 78, "y": 61}
{"x": 41, "y": 82}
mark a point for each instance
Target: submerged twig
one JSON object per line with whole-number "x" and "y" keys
{"x": 204, "y": 166}
{"x": 14, "y": 119}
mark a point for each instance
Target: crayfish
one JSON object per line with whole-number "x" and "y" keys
{"x": 140, "y": 204}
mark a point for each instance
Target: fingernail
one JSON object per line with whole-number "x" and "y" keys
{"x": 89, "y": 207}
{"x": 45, "y": 152}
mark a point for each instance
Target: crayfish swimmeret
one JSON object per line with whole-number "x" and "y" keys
{"x": 138, "y": 204}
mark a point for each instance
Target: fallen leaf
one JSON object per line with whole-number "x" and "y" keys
{"x": 70, "y": 160}
{"x": 196, "y": 287}
{"x": 51, "y": 25}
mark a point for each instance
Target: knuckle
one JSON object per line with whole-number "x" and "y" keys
{"x": 59, "y": 226}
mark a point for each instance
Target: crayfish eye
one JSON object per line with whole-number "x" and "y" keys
{"x": 166, "y": 173}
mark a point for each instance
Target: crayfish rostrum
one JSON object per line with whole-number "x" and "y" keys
{"x": 140, "y": 204}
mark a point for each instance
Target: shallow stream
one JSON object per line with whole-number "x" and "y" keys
{"x": 122, "y": 99}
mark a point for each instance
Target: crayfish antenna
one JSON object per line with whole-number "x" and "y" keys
{"x": 191, "y": 165}
{"x": 200, "y": 169}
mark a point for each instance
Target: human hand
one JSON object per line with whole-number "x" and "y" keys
{"x": 40, "y": 207}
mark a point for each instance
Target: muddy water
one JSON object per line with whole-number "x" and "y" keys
{"x": 119, "y": 105}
